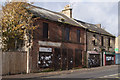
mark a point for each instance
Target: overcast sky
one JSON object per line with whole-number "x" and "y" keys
{"x": 104, "y": 13}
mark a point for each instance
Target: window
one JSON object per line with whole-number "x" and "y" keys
{"x": 78, "y": 35}
{"x": 45, "y": 30}
{"x": 67, "y": 33}
{"x": 102, "y": 40}
{"x": 94, "y": 40}
{"x": 109, "y": 42}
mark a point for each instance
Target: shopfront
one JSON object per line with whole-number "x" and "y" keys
{"x": 117, "y": 58}
{"x": 109, "y": 58}
{"x": 93, "y": 59}
{"x": 45, "y": 57}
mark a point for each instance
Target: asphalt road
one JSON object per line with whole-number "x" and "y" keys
{"x": 98, "y": 73}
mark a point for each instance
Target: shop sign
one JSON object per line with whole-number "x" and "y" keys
{"x": 46, "y": 43}
{"x": 109, "y": 53}
{"x": 92, "y": 52}
{"x": 116, "y": 49}
{"x": 43, "y": 49}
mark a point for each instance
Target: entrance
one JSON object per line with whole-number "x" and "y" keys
{"x": 94, "y": 60}
{"x": 109, "y": 59}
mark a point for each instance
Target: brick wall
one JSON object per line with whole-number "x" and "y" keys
{"x": 55, "y": 35}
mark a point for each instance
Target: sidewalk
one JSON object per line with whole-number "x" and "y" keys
{"x": 45, "y": 74}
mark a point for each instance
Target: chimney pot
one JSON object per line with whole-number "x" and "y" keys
{"x": 98, "y": 25}
{"x": 67, "y": 11}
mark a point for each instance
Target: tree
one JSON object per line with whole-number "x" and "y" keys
{"x": 16, "y": 22}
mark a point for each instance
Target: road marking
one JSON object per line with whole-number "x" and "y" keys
{"x": 109, "y": 76}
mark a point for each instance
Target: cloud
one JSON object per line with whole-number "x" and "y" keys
{"x": 105, "y": 13}
{"x": 98, "y": 13}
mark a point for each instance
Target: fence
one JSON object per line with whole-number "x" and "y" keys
{"x": 14, "y": 63}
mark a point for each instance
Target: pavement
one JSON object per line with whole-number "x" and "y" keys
{"x": 86, "y": 73}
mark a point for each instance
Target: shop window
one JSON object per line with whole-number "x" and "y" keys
{"x": 45, "y": 30}
{"x": 109, "y": 42}
{"x": 102, "y": 40}
{"x": 78, "y": 35}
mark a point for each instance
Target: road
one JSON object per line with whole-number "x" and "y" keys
{"x": 84, "y": 74}
{"x": 100, "y": 72}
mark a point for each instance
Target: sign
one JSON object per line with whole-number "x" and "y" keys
{"x": 116, "y": 49}
{"x": 43, "y": 49}
{"x": 110, "y": 53}
{"x": 92, "y": 52}
{"x": 46, "y": 43}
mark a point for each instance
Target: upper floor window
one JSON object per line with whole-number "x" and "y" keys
{"x": 94, "y": 40}
{"x": 102, "y": 40}
{"x": 45, "y": 30}
{"x": 67, "y": 33}
{"x": 109, "y": 42}
{"x": 78, "y": 35}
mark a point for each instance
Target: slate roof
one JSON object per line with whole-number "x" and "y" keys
{"x": 94, "y": 28}
{"x": 56, "y": 16}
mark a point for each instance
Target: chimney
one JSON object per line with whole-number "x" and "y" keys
{"x": 67, "y": 11}
{"x": 98, "y": 25}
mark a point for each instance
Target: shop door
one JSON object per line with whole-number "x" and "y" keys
{"x": 45, "y": 59}
{"x": 94, "y": 60}
{"x": 109, "y": 59}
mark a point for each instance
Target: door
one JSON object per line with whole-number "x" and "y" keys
{"x": 109, "y": 59}
{"x": 78, "y": 58}
{"x": 94, "y": 60}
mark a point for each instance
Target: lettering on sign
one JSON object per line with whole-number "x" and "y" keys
{"x": 45, "y": 43}
{"x": 43, "y": 49}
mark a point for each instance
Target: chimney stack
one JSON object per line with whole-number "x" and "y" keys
{"x": 67, "y": 11}
{"x": 98, "y": 25}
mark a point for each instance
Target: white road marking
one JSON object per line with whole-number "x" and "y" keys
{"x": 109, "y": 76}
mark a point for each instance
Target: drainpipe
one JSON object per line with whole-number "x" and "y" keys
{"x": 86, "y": 49}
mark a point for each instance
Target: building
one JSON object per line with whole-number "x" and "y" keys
{"x": 58, "y": 42}
{"x": 100, "y": 45}
{"x": 117, "y": 49}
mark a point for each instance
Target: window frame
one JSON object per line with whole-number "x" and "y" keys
{"x": 45, "y": 32}
{"x": 78, "y": 35}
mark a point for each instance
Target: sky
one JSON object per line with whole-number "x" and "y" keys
{"x": 104, "y": 12}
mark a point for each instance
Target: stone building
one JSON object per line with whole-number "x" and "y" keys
{"x": 100, "y": 45}
{"x": 117, "y": 49}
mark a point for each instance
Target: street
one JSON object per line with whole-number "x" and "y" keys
{"x": 104, "y": 72}
{"x": 84, "y": 73}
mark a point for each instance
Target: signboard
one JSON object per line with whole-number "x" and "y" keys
{"x": 92, "y": 52}
{"x": 116, "y": 49}
{"x": 46, "y": 43}
{"x": 43, "y": 49}
{"x": 109, "y": 53}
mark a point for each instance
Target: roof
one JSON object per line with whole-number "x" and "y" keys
{"x": 94, "y": 28}
{"x": 59, "y": 17}
{"x": 54, "y": 16}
